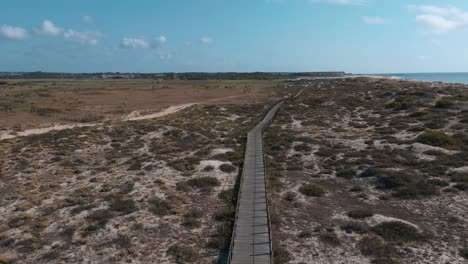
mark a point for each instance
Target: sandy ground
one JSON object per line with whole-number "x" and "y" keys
{"x": 132, "y": 117}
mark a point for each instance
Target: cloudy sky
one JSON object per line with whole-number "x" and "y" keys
{"x": 359, "y": 36}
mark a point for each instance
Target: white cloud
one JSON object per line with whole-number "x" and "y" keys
{"x": 11, "y": 32}
{"x": 440, "y": 19}
{"x": 48, "y": 28}
{"x": 88, "y": 19}
{"x": 206, "y": 40}
{"x": 373, "y": 20}
{"x": 162, "y": 40}
{"x": 436, "y": 23}
{"x": 134, "y": 43}
{"x": 89, "y": 38}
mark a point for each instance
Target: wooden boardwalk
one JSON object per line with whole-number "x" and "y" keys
{"x": 251, "y": 240}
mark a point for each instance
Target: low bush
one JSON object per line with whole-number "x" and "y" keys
{"x": 372, "y": 246}
{"x": 360, "y": 213}
{"x": 329, "y": 238}
{"x": 280, "y": 253}
{"x": 464, "y": 252}
{"x": 346, "y": 174}
{"x": 305, "y": 234}
{"x": 191, "y": 218}
{"x": 290, "y": 196}
{"x": 436, "y": 139}
{"x": 459, "y": 177}
{"x": 438, "y": 182}
{"x": 375, "y": 248}
{"x": 125, "y": 206}
{"x": 304, "y": 147}
{"x": 82, "y": 118}
{"x": 370, "y": 172}
{"x": 20, "y": 220}
{"x": 159, "y": 206}
{"x": 355, "y": 227}
{"x": 100, "y": 217}
{"x": 208, "y": 168}
{"x": 183, "y": 253}
{"x": 461, "y": 186}
{"x": 396, "y": 231}
{"x": 123, "y": 241}
{"x": 203, "y": 182}
{"x": 444, "y": 104}
{"x": 228, "y": 168}
{"x": 312, "y": 189}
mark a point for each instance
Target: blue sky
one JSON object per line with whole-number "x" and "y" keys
{"x": 359, "y": 36}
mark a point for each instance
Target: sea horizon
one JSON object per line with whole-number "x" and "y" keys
{"x": 445, "y": 77}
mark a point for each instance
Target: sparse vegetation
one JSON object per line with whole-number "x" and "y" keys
{"x": 66, "y": 189}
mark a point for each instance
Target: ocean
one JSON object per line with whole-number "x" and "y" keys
{"x": 447, "y": 77}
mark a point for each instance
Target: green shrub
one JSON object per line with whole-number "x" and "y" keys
{"x": 305, "y": 234}
{"x": 415, "y": 189}
{"x": 191, "y": 218}
{"x": 159, "y": 206}
{"x": 438, "y": 182}
{"x": 329, "y": 238}
{"x": 355, "y": 227}
{"x": 397, "y": 231}
{"x": 360, "y": 213}
{"x": 312, "y": 189}
{"x": 123, "y": 241}
{"x": 100, "y": 217}
{"x": 459, "y": 177}
{"x": 228, "y": 168}
{"x": 370, "y": 172}
{"x": 461, "y": 186}
{"x": 436, "y": 139}
{"x": 208, "y": 168}
{"x": 375, "y": 248}
{"x": 304, "y": 147}
{"x": 125, "y": 206}
{"x": 444, "y": 104}
{"x": 372, "y": 246}
{"x": 203, "y": 182}
{"x": 82, "y": 118}
{"x": 280, "y": 253}
{"x": 183, "y": 253}
{"x": 464, "y": 252}
{"x": 346, "y": 174}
